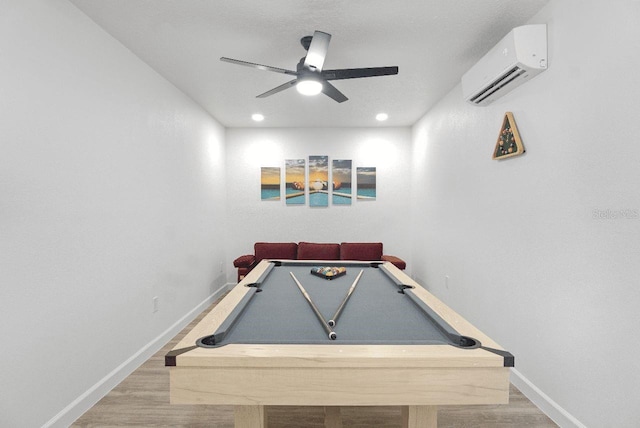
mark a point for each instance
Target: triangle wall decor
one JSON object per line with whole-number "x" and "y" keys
{"x": 509, "y": 142}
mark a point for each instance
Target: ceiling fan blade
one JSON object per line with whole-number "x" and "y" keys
{"x": 278, "y": 89}
{"x": 258, "y": 66}
{"x": 354, "y": 73}
{"x": 317, "y": 51}
{"x": 331, "y": 91}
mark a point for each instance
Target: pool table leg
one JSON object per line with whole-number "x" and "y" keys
{"x": 332, "y": 417}
{"x": 250, "y": 417}
{"x": 419, "y": 416}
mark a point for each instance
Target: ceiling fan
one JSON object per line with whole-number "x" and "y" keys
{"x": 311, "y": 79}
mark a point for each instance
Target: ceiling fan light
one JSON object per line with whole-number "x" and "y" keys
{"x": 309, "y": 87}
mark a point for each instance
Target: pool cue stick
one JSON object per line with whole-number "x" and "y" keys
{"x": 332, "y": 334}
{"x": 334, "y": 318}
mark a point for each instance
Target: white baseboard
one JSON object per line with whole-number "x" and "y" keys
{"x": 88, "y": 399}
{"x": 549, "y": 407}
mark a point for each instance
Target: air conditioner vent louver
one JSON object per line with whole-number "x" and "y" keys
{"x": 520, "y": 54}
{"x": 500, "y": 83}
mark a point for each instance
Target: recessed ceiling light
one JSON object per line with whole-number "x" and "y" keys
{"x": 382, "y": 117}
{"x": 257, "y": 117}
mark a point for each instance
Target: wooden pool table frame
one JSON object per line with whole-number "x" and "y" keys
{"x": 417, "y": 377}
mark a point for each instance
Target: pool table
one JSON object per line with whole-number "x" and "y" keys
{"x": 393, "y": 343}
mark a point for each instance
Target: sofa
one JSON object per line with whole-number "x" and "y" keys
{"x": 362, "y": 251}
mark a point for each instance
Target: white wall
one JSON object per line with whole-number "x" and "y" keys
{"x": 112, "y": 192}
{"x": 384, "y": 220}
{"x": 542, "y": 250}
{"x": 115, "y": 190}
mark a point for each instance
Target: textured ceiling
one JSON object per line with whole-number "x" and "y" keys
{"x": 433, "y": 42}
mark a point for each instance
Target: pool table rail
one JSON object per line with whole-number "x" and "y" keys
{"x": 185, "y": 350}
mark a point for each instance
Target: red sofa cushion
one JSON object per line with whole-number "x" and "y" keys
{"x": 275, "y": 250}
{"x": 361, "y": 251}
{"x": 313, "y": 251}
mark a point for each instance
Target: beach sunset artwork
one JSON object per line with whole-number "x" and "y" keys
{"x": 366, "y": 182}
{"x": 294, "y": 181}
{"x": 270, "y": 183}
{"x": 318, "y": 181}
{"x": 341, "y": 178}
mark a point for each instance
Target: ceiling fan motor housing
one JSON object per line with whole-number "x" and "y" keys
{"x": 306, "y": 42}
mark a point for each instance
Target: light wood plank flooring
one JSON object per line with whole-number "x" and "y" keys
{"x": 142, "y": 400}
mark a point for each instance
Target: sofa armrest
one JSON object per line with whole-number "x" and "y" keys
{"x": 397, "y": 262}
{"x": 245, "y": 261}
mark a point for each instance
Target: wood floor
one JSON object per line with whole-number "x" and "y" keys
{"x": 142, "y": 400}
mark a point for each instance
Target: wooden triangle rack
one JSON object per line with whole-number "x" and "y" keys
{"x": 509, "y": 142}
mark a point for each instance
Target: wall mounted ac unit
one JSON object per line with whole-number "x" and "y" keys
{"x": 518, "y": 57}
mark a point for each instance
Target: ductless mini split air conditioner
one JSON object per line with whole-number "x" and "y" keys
{"x": 516, "y": 59}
